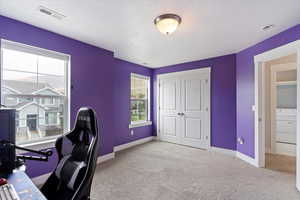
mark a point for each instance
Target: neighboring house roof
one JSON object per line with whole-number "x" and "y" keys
{"x": 29, "y": 87}
{"x": 24, "y": 87}
{"x": 10, "y": 90}
{"x": 29, "y": 104}
{"x": 57, "y": 82}
{"x": 19, "y": 105}
{"x": 23, "y": 105}
{"x": 54, "y": 109}
{"x": 47, "y": 91}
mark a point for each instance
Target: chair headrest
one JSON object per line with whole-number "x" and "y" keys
{"x": 86, "y": 119}
{"x": 85, "y": 126}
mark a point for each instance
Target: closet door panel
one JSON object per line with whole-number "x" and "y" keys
{"x": 169, "y": 108}
{"x": 194, "y": 108}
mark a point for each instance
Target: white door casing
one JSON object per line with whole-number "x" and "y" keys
{"x": 290, "y": 48}
{"x": 274, "y": 122}
{"x": 187, "y": 121}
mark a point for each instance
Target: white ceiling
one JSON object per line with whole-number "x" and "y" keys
{"x": 209, "y": 27}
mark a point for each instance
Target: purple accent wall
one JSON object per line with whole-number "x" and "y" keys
{"x": 34, "y": 168}
{"x": 93, "y": 73}
{"x": 245, "y": 85}
{"x": 122, "y": 102}
{"x": 91, "y": 76}
{"x": 223, "y": 97}
{"x": 102, "y": 82}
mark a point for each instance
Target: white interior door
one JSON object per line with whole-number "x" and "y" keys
{"x": 195, "y": 95}
{"x": 184, "y": 108}
{"x": 169, "y": 108}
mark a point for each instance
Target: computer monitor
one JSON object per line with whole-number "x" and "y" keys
{"x": 7, "y": 133}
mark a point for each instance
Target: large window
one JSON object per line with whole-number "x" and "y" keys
{"x": 34, "y": 81}
{"x": 140, "y": 88}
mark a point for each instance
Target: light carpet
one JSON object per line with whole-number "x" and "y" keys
{"x": 164, "y": 171}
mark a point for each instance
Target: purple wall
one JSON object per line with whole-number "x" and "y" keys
{"x": 91, "y": 67}
{"x": 223, "y": 97}
{"x": 245, "y": 85}
{"x": 93, "y": 72}
{"x": 103, "y": 82}
{"x": 122, "y": 102}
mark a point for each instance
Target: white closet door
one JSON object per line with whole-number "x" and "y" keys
{"x": 184, "y": 108}
{"x": 195, "y": 110}
{"x": 169, "y": 108}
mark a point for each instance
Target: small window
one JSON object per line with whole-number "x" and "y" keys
{"x": 51, "y": 118}
{"x": 140, "y": 87}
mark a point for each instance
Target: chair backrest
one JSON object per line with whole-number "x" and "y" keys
{"x": 77, "y": 158}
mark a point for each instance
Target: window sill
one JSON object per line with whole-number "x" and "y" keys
{"x": 38, "y": 145}
{"x": 140, "y": 124}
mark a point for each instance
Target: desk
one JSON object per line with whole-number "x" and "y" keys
{"x": 24, "y": 186}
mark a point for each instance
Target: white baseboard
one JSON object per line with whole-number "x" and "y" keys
{"x": 247, "y": 159}
{"x": 132, "y": 144}
{"x": 105, "y": 157}
{"x": 223, "y": 151}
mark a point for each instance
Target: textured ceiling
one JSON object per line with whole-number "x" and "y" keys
{"x": 209, "y": 27}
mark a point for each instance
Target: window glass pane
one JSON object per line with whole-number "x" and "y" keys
{"x": 138, "y": 110}
{"x": 139, "y": 88}
{"x": 28, "y": 128}
{"x": 139, "y": 99}
{"x": 51, "y": 85}
{"x": 19, "y": 76}
{"x": 51, "y": 66}
{"x": 35, "y": 86}
{"x": 134, "y": 111}
{"x": 16, "y": 60}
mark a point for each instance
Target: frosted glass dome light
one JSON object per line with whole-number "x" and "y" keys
{"x": 167, "y": 23}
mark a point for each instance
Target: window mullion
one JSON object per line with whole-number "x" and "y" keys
{"x": 37, "y": 87}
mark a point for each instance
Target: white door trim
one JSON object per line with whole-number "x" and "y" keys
{"x": 290, "y": 48}
{"x": 174, "y": 74}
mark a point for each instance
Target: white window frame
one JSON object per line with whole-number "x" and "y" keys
{"x": 148, "y": 121}
{"x": 45, "y": 142}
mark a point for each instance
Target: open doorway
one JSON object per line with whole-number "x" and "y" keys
{"x": 282, "y": 52}
{"x": 280, "y": 111}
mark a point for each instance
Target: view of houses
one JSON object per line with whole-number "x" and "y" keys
{"x": 139, "y": 99}
{"x": 39, "y": 107}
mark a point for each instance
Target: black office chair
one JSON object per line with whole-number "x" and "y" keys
{"x": 77, "y": 154}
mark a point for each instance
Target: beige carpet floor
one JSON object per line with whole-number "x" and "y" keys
{"x": 164, "y": 171}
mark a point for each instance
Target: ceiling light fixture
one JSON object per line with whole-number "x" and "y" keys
{"x": 167, "y": 23}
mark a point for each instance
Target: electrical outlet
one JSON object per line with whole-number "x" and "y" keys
{"x": 241, "y": 140}
{"x": 131, "y": 132}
